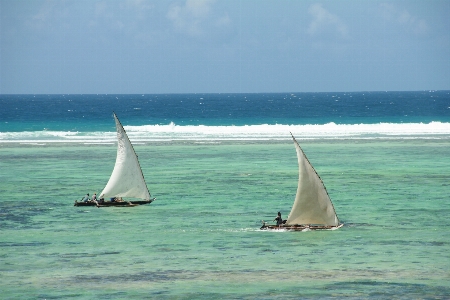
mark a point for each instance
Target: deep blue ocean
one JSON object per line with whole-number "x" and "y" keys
{"x": 215, "y": 116}
{"x": 93, "y": 112}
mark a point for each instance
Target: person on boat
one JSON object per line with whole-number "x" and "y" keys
{"x": 279, "y": 219}
{"x": 86, "y": 198}
{"x": 102, "y": 199}
{"x": 116, "y": 199}
{"x": 94, "y": 198}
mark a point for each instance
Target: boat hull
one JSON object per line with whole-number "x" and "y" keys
{"x": 118, "y": 204}
{"x": 299, "y": 227}
{"x": 114, "y": 204}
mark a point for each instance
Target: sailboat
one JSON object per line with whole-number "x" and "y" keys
{"x": 312, "y": 208}
{"x": 127, "y": 179}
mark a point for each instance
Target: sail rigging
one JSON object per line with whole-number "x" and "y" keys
{"x": 127, "y": 179}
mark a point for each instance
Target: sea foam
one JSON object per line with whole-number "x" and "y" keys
{"x": 264, "y": 132}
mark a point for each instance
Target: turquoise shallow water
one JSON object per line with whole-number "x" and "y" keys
{"x": 201, "y": 238}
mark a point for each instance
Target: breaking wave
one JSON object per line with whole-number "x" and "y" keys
{"x": 203, "y": 133}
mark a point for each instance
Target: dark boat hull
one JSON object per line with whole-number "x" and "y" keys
{"x": 115, "y": 203}
{"x": 299, "y": 227}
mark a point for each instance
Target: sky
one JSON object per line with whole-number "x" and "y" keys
{"x": 223, "y": 46}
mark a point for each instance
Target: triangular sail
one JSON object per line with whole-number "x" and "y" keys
{"x": 126, "y": 179}
{"x": 312, "y": 203}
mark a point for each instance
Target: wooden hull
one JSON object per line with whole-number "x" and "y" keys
{"x": 299, "y": 227}
{"x": 117, "y": 204}
{"x": 114, "y": 204}
{"x": 90, "y": 203}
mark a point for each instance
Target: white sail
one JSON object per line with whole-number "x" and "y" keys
{"x": 312, "y": 203}
{"x": 126, "y": 179}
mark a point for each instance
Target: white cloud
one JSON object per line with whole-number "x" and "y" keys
{"x": 421, "y": 28}
{"x": 141, "y": 8}
{"x": 198, "y": 8}
{"x": 48, "y": 12}
{"x": 387, "y": 10}
{"x": 223, "y": 21}
{"x": 402, "y": 17}
{"x": 405, "y": 18}
{"x": 189, "y": 17}
{"x": 323, "y": 21}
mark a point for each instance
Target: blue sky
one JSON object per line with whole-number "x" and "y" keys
{"x": 218, "y": 46}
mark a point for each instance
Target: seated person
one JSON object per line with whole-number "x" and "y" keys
{"x": 86, "y": 198}
{"x": 279, "y": 219}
